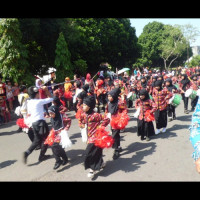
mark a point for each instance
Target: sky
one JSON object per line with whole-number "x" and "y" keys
{"x": 139, "y": 24}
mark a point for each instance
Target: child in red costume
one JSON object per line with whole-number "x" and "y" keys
{"x": 100, "y": 94}
{"x": 92, "y": 121}
{"x": 115, "y": 107}
{"x": 145, "y": 128}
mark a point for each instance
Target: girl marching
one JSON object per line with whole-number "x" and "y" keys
{"x": 92, "y": 121}
{"x": 145, "y": 126}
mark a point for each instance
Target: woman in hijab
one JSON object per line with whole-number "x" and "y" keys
{"x": 145, "y": 128}
{"x": 184, "y": 85}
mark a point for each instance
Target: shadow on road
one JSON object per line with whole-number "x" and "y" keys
{"x": 140, "y": 150}
{"x": 7, "y": 163}
{"x": 184, "y": 118}
{"x": 77, "y": 157}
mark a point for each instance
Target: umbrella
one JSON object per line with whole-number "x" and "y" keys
{"x": 123, "y": 70}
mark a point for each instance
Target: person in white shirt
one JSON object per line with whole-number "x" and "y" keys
{"x": 40, "y": 128}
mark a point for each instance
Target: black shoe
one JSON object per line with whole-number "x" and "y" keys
{"x": 57, "y": 165}
{"x": 45, "y": 157}
{"x": 25, "y": 156}
{"x": 115, "y": 155}
{"x": 19, "y": 130}
{"x": 192, "y": 110}
{"x": 174, "y": 117}
{"x": 142, "y": 138}
{"x": 119, "y": 149}
{"x": 64, "y": 162}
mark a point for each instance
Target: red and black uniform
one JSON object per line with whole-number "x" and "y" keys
{"x": 92, "y": 120}
{"x": 144, "y": 128}
{"x": 161, "y": 98}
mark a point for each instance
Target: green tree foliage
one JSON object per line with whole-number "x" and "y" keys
{"x": 63, "y": 59}
{"x": 161, "y": 46}
{"x": 195, "y": 61}
{"x": 13, "y": 54}
{"x": 149, "y": 40}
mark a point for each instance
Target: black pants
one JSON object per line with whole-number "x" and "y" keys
{"x": 194, "y": 102}
{"x": 58, "y": 152}
{"x": 145, "y": 128}
{"x": 116, "y": 137}
{"x": 185, "y": 101}
{"x": 161, "y": 119}
{"x": 171, "y": 110}
{"x": 41, "y": 131}
{"x": 93, "y": 157}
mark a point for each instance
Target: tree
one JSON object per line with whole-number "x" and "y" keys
{"x": 195, "y": 61}
{"x": 149, "y": 41}
{"x": 63, "y": 59}
{"x": 13, "y": 54}
{"x": 190, "y": 33}
{"x": 172, "y": 46}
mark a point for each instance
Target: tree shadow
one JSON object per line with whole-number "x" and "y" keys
{"x": 128, "y": 164}
{"x": 7, "y": 163}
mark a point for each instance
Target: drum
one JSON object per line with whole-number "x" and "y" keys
{"x": 176, "y": 100}
{"x": 188, "y": 92}
{"x": 130, "y": 96}
{"x": 177, "y": 86}
{"x": 193, "y": 95}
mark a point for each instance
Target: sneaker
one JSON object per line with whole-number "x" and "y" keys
{"x": 157, "y": 131}
{"x": 170, "y": 119}
{"x": 164, "y": 130}
{"x": 90, "y": 174}
{"x": 142, "y": 138}
{"x": 186, "y": 111}
{"x": 115, "y": 155}
{"x": 147, "y": 139}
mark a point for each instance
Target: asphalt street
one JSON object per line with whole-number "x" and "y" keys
{"x": 166, "y": 157}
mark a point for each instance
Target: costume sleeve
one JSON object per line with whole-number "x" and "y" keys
{"x": 169, "y": 95}
{"x": 105, "y": 120}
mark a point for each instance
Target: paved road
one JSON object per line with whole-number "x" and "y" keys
{"x": 166, "y": 157}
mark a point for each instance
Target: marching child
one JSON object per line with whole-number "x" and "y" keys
{"x": 161, "y": 97}
{"x": 170, "y": 108}
{"x": 92, "y": 121}
{"x": 58, "y": 126}
{"x": 115, "y": 107}
{"x": 145, "y": 127}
